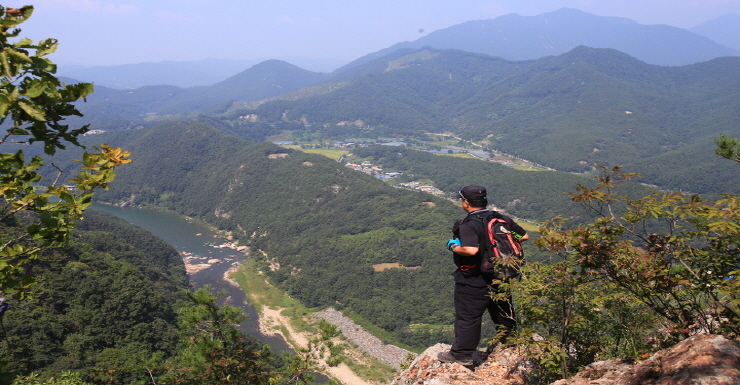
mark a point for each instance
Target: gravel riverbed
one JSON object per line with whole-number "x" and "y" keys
{"x": 387, "y": 354}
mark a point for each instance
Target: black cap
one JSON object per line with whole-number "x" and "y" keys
{"x": 473, "y": 193}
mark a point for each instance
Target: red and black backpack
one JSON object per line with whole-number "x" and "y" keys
{"x": 502, "y": 254}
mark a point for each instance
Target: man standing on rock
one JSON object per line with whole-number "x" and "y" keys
{"x": 473, "y": 289}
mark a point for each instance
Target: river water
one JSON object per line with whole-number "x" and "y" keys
{"x": 199, "y": 243}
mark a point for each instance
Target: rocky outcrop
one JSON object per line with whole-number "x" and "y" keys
{"x": 503, "y": 367}
{"x": 703, "y": 359}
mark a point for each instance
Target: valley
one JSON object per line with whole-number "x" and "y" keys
{"x": 281, "y": 210}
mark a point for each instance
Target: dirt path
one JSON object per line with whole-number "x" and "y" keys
{"x": 272, "y": 322}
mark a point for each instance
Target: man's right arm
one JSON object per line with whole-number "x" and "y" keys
{"x": 468, "y": 241}
{"x": 467, "y": 251}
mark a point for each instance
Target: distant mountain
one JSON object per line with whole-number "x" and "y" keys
{"x": 204, "y": 72}
{"x": 181, "y": 74}
{"x": 724, "y": 30}
{"x": 109, "y": 108}
{"x": 516, "y": 37}
{"x": 265, "y": 80}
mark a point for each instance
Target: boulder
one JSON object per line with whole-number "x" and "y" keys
{"x": 702, "y": 359}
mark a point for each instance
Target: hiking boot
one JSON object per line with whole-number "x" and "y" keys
{"x": 484, "y": 355}
{"x": 446, "y": 356}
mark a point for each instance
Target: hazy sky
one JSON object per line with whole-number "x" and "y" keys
{"x": 109, "y": 32}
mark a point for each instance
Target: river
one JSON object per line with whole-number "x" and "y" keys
{"x": 199, "y": 243}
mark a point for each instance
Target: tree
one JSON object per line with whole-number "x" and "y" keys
{"x": 677, "y": 254}
{"x": 728, "y": 148}
{"x": 644, "y": 274}
{"x": 216, "y": 352}
{"x": 33, "y": 107}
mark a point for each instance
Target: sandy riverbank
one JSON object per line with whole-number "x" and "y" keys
{"x": 272, "y": 322}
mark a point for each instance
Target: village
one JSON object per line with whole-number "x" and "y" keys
{"x": 378, "y": 172}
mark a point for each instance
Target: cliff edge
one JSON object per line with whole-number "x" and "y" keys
{"x": 703, "y": 359}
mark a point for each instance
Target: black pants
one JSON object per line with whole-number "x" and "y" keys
{"x": 470, "y": 304}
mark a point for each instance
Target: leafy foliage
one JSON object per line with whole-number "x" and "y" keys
{"x": 64, "y": 378}
{"x": 216, "y": 352}
{"x": 728, "y": 148}
{"x": 685, "y": 274}
{"x": 663, "y": 266}
{"x": 33, "y": 105}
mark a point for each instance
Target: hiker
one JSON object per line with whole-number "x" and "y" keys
{"x": 473, "y": 289}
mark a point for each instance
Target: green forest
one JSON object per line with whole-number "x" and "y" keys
{"x": 327, "y": 225}
{"x": 106, "y": 300}
{"x": 112, "y": 306}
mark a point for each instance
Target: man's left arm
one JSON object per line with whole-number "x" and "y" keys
{"x": 519, "y": 230}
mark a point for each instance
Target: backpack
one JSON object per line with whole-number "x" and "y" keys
{"x": 502, "y": 256}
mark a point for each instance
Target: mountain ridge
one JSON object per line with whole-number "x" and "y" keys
{"x": 516, "y": 37}
{"x": 724, "y": 30}
{"x": 651, "y": 43}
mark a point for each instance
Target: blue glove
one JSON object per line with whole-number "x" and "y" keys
{"x": 452, "y": 243}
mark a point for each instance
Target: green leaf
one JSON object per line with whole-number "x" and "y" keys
{"x": 35, "y": 88}
{"x": 23, "y": 43}
{"x": 46, "y": 47}
{"x": 31, "y": 110}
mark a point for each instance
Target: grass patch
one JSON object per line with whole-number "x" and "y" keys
{"x": 262, "y": 293}
{"x": 530, "y": 227}
{"x": 392, "y": 265}
{"x": 332, "y": 153}
{"x": 376, "y": 373}
{"x": 329, "y": 153}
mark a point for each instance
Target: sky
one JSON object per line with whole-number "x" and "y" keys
{"x": 113, "y": 32}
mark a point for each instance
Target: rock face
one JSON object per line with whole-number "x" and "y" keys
{"x": 699, "y": 360}
{"x": 504, "y": 367}
{"x": 703, "y": 359}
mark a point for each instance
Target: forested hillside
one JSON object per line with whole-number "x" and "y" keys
{"x": 532, "y": 196}
{"x": 323, "y": 226}
{"x": 105, "y": 302}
